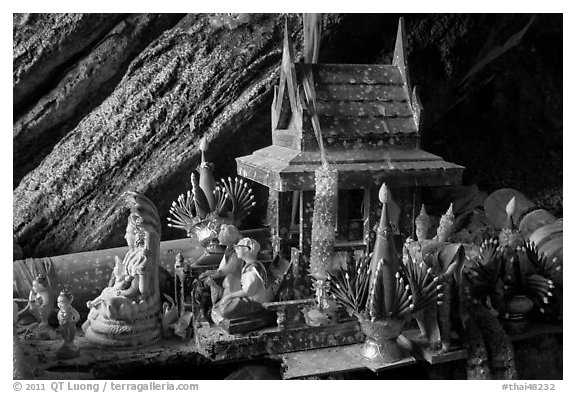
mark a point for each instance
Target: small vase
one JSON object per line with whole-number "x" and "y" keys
{"x": 382, "y": 339}
{"x": 517, "y": 308}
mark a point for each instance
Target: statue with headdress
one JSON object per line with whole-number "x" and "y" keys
{"x": 444, "y": 261}
{"x": 127, "y": 312}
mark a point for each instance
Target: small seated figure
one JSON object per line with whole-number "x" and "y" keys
{"x": 118, "y": 281}
{"x": 127, "y": 312}
{"x": 68, "y": 317}
{"x": 246, "y": 301}
{"x": 226, "y": 279}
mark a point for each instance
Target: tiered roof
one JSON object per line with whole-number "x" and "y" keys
{"x": 369, "y": 118}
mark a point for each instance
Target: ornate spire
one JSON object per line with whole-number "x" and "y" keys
{"x": 384, "y": 264}
{"x": 207, "y": 181}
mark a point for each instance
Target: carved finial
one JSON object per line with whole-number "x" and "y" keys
{"x": 203, "y": 144}
{"x": 400, "y": 59}
{"x": 384, "y": 227}
{"x": 510, "y": 208}
{"x": 383, "y": 193}
{"x": 286, "y": 53}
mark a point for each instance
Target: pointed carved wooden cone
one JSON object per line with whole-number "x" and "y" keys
{"x": 510, "y": 209}
{"x": 207, "y": 181}
{"x": 383, "y": 274}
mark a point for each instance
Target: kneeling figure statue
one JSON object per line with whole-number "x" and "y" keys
{"x": 246, "y": 301}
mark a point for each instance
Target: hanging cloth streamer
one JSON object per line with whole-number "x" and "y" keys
{"x": 25, "y": 271}
{"x": 310, "y": 94}
{"x": 312, "y": 27}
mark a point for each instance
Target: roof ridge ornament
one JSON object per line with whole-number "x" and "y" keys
{"x": 401, "y": 59}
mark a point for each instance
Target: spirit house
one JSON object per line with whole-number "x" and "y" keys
{"x": 369, "y": 117}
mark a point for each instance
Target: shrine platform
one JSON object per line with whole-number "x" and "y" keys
{"x": 185, "y": 360}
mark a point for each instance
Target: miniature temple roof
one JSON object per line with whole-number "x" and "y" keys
{"x": 284, "y": 169}
{"x": 369, "y": 119}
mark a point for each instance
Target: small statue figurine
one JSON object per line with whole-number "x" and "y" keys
{"x": 421, "y": 244}
{"x": 226, "y": 279}
{"x": 68, "y": 317}
{"x": 118, "y": 281}
{"x": 40, "y": 300}
{"x": 445, "y": 261}
{"x": 253, "y": 292}
{"x": 127, "y": 312}
{"x": 40, "y": 305}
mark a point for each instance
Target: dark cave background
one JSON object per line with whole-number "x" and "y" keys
{"x": 105, "y": 103}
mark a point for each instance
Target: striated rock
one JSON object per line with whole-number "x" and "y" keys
{"x": 491, "y": 87}
{"x": 44, "y": 44}
{"x": 82, "y": 87}
{"x": 194, "y": 80}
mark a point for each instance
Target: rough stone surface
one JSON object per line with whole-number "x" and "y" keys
{"x": 491, "y": 88}
{"x": 81, "y": 88}
{"x": 194, "y": 80}
{"x": 45, "y": 43}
